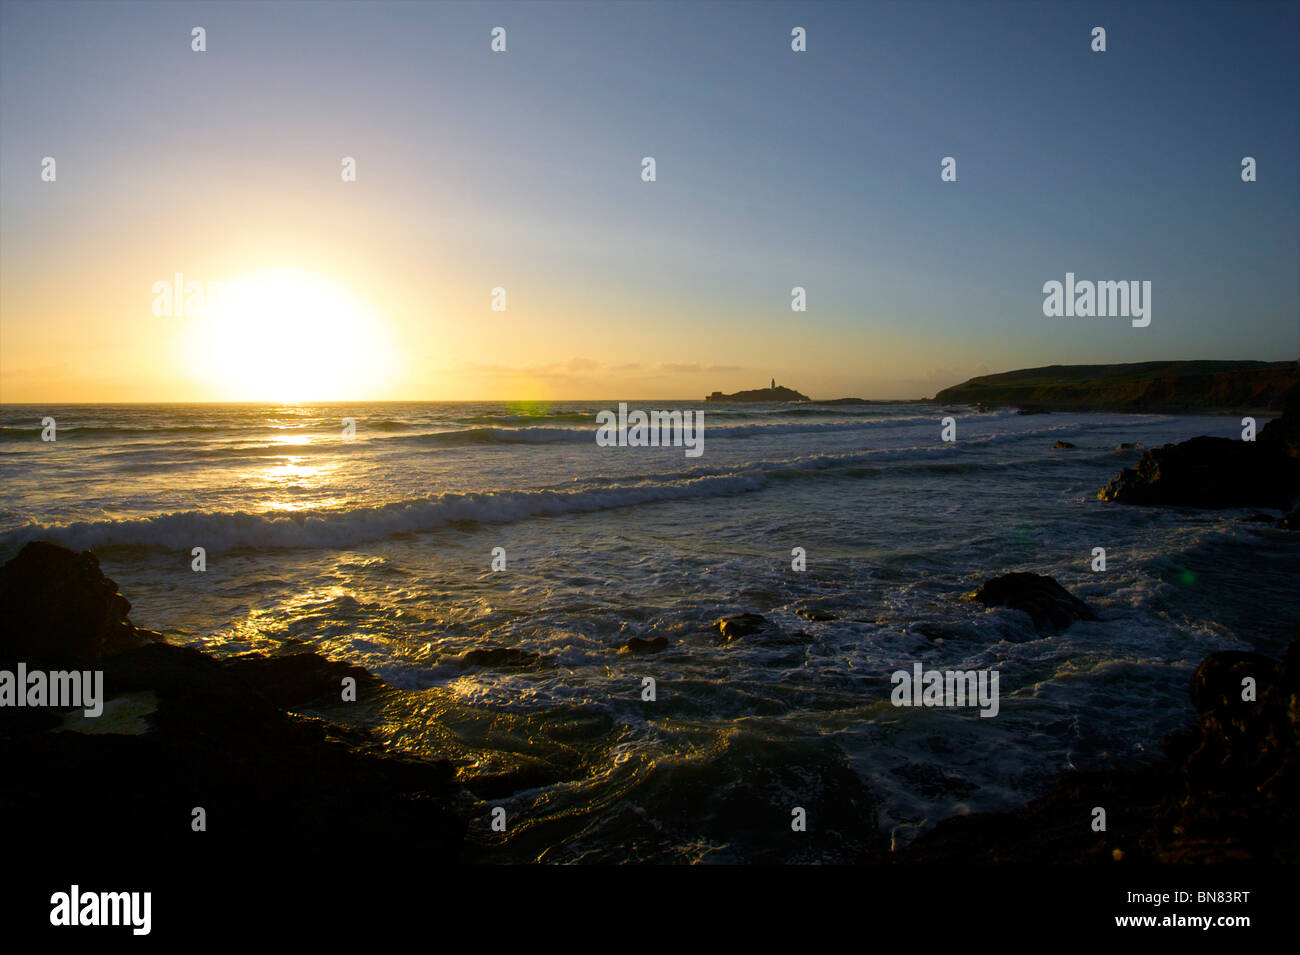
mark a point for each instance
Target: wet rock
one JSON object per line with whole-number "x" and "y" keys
{"x": 183, "y": 729}
{"x": 1051, "y": 607}
{"x": 814, "y": 614}
{"x": 298, "y": 679}
{"x": 1290, "y": 522}
{"x": 1209, "y": 473}
{"x": 527, "y": 774}
{"x": 1282, "y": 434}
{"x": 1215, "y": 473}
{"x": 502, "y": 658}
{"x": 1216, "y": 684}
{"x": 56, "y": 605}
{"x": 638, "y": 645}
{"x": 940, "y": 631}
{"x": 1062, "y": 446}
{"x": 1228, "y": 789}
{"x": 740, "y": 625}
{"x": 1128, "y": 446}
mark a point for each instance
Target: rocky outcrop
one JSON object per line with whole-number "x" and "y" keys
{"x": 740, "y": 625}
{"x": 183, "y": 730}
{"x": 1063, "y": 446}
{"x": 779, "y": 393}
{"x": 57, "y": 605}
{"x": 1228, "y": 789}
{"x": 1216, "y": 473}
{"x": 640, "y": 645}
{"x": 1050, "y": 606}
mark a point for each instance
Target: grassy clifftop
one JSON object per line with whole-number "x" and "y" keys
{"x": 1142, "y": 386}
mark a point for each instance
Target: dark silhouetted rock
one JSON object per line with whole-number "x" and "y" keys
{"x": 1209, "y": 473}
{"x": 57, "y": 606}
{"x": 816, "y": 614}
{"x": 1282, "y": 434}
{"x": 1216, "y": 473}
{"x": 638, "y": 645}
{"x": 297, "y": 679}
{"x": 182, "y": 729}
{"x": 1062, "y": 446}
{"x": 779, "y": 393}
{"x": 1291, "y": 522}
{"x": 740, "y": 625}
{"x": 1227, "y": 791}
{"x": 502, "y": 657}
{"x": 1128, "y": 446}
{"x": 1051, "y": 607}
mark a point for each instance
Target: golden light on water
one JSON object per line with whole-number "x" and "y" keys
{"x": 290, "y": 336}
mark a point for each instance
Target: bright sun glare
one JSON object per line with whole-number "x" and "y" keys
{"x": 290, "y": 336}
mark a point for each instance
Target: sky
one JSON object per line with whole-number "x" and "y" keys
{"x": 522, "y": 170}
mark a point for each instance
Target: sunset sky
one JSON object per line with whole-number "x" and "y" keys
{"x": 522, "y": 170}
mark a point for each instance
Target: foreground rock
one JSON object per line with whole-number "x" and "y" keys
{"x": 1051, "y": 607}
{"x": 640, "y": 645}
{"x": 740, "y": 625}
{"x": 1211, "y": 473}
{"x": 1216, "y": 473}
{"x": 1228, "y": 789}
{"x": 57, "y": 605}
{"x": 182, "y": 729}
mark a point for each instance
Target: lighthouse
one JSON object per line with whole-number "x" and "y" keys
{"x": 774, "y": 384}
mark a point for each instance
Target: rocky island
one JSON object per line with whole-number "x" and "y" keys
{"x": 774, "y": 393}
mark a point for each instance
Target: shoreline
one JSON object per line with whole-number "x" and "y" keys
{"x": 246, "y": 736}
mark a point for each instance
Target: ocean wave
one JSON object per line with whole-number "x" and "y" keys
{"x": 345, "y": 527}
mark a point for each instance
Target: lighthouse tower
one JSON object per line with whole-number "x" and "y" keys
{"x": 774, "y": 384}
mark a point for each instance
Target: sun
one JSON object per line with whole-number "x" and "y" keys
{"x": 289, "y": 336}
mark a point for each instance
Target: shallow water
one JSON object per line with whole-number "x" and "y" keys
{"x": 377, "y": 551}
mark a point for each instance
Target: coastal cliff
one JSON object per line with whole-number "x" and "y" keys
{"x": 1157, "y": 386}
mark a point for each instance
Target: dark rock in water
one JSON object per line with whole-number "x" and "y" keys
{"x": 1209, "y": 473}
{"x": 638, "y": 645}
{"x": 816, "y": 615}
{"x": 298, "y": 679}
{"x": 182, "y": 729}
{"x": 1229, "y": 789}
{"x": 527, "y": 774}
{"x": 940, "y": 631}
{"x": 1237, "y": 788}
{"x": 1062, "y": 446}
{"x": 1282, "y": 434}
{"x": 1260, "y": 519}
{"x": 740, "y": 625}
{"x": 1049, "y": 605}
{"x": 1216, "y": 684}
{"x": 1128, "y": 445}
{"x": 56, "y": 605}
{"x": 501, "y": 657}
{"x": 1216, "y": 473}
{"x": 1291, "y": 522}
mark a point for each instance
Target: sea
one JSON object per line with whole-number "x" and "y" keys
{"x": 405, "y": 536}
